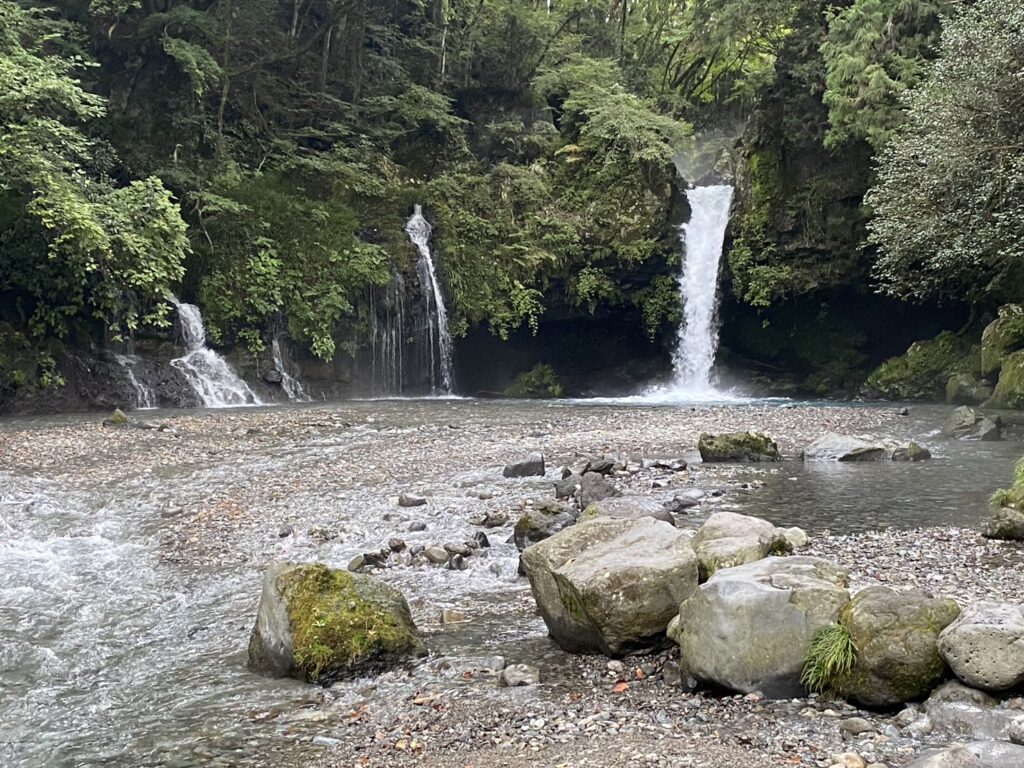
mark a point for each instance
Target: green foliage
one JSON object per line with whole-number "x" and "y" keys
{"x": 541, "y": 381}
{"x": 829, "y": 659}
{"x": 949, "y": 200}
{"x": 1014, "y": 495}
{"x": 924, "y": 370}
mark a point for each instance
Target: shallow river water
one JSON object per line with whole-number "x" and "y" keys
{"x": 131, "y": 560}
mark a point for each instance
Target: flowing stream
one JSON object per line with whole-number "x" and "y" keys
{"x": 442, "y": 367}
{"x": 209, "y": 374}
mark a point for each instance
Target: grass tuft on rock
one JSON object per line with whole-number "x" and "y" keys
{"x": 829, "y": 660}
{"x": 1013, "y": 496}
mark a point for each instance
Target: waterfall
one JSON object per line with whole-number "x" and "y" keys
{"x": 145, "y": 399}
{"x": 441, "y": 368}
{"x": 291, "y": 385}
{"x": 209, "y": 374}
{"x": 702, "y": 239}
{"x": 388, "y": 317}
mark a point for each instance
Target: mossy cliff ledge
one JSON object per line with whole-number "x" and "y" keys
{"x": 322, "y": 625}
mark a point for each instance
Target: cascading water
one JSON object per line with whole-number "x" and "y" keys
{"x": 209, "y": 374}
{"x": 702, "y": 238}
{"x": 291, "y": 385}
{"x": 145, "y": 398}
{"x": 388, "y": 315}
{"x": 441, "y": 366}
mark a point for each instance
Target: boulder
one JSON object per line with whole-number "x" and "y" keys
{"x": 117, "y": 419}
{"x": 1006, "y": 523}
{"x": 737, "y": 446}
{"x": 748, "y": 628}
{"x": 1002, "y": 336}
{"x": 321, "y": 625}
{"x": 896, "y": 635}
{"x": 410, "y": 500}
{"x": 531, "y": 466}
{"x": 965, "y": 389}
{"x": 977, "y": 754}
{"x": 729, "y": 539}
{"x": 1009, "y": 391}
{"x": 922, "y": 371}
{"x": 596, "y": 487}
{"x": 911, "y": 452}
{"x": 629, "y": 508}
{"x": 968, "y": 713}
{"x": 965, "y": 423}
{"x": 611, "y": 586}
{"x": 985, "y": 646}
{"x": 567, "y": 487}
{"x": 836, "y": 447}
{"x": 540, "y": 521}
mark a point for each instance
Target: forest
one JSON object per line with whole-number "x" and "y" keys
{"x": 260, "y": 159}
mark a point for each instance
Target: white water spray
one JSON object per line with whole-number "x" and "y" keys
{"x": 291, "y": 385}
{"x": 145, "y": 399}
{"x": 702, "y": 238}
{"x": 441, "y": 366}
{"x": 209, "y": 374}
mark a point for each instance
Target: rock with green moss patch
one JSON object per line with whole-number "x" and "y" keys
{"x": 965, "y": 423}
{"x": 923, "y": 371}
{"x": 1009, "y": 392}
{"x": 1001, "y": 337}
{"x": 737, "y": 446}
{"x": 117, "y": 419}
{"x": 897, "y": 640}
{"x": 1006, "y": 524}
{"x": 749, "y": 628}
{"x": 966, "y": 389}
{"x": 729, "y": 539}
{"x": 540, "y": 521}
{"x": 321, "y": 625}
{"x": 611, "y": 586}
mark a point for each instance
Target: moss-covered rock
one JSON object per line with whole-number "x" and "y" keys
{"x": 737, "y": 446}
{"x": 541, "y": 520}
{"x": 965, "y": 389}
{"x": 896, "y": 635}
{"x": 1009, "y": 392}
{"x": 1001, "y": 337}
{"x": 1006, "y": 524}
{"x": 321, "y": 625}
{"x": 540, "y": 382}
{"x": 923, "y": 371}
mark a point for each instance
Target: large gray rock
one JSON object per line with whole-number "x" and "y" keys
{"x": 541, "y": 520}
{"x": 596, "y": 487}
{"x": 968, "y": 713}
{"x": 737, "y": 446}
{"x": 985, "y": 646}
{"x": 836, "y": 447}
{"x": 531, "y": 466}
{"x": 896, "y": 634}
{"x": 965, "y": 423}
{"x": 748, "y": 628}
{"x": 610, "y": 585}
{"x": 629, "y": 508}
{"x": 977, "y": 754}
{"x": 1006, "y": 524}
{"x": 729, "y": 539}
{"x": 321, "y": 625}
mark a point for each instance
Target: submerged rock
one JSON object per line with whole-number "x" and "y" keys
{"x": 531, "y": 466}
{"x": 609, "y": 585}
{"x": 896, "y": 635}
{"x": 748, "y": 628}
{"x": 977, "y": 754}
{"x": 737, "y": 446}
{"x": 729, "y": 539}
{"x": 322, "y": 625}
{"x": 965, "y": 423}
{"x": 985, "y": 646}
{"x": 1006, "y": 524}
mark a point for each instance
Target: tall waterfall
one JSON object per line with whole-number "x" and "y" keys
{"x": 290, "y": 384}
{"x": 702, "y": 238}
{"x": 441, "y": 366}
{"x": 210, "y": 375}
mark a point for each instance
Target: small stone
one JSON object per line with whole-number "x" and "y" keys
{"x": 396, "y": 545}
{"x": 457, "y": 563}
{"x": 458, "y": 549}
{"x": 849, "y": 760}
{"x": 436, "y": 555}
{"x": 855, "y": 726}
{"x": 409, "y": 500}
{"x": 481, "y": 539}
{"x": 531, "y": 466}
{"x": 451, "y": 616}
{"x": 492, "y": 519}
{"x": 515, "y": 675}
{"x": 285, "y": 532}
{"x": 485, "y": 495}
{"x": 417, "y": 526}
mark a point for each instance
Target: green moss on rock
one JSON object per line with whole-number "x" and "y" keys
{"x": 1009, "y": 392}
{"x": 737, "y": 446}
{"x": 924, "y": 370}
{"x": 1001, "y": 337}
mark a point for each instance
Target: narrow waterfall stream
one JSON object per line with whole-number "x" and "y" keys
{"x": 702, "y": 237}
{"x": 145, "y": 398}
{"x": 442, "y": 369}
{"x": 290, "y": 384}
{"x": 209, "y": 374}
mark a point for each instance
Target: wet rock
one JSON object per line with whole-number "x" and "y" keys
{"x": 285, "y": 531}
{"x": 117, "y": 419}
{"x": 977, "y": 754}
{"x": 668, "y": 465}
{"x": 304, "y": 626}
{"x": 531, "y": 466}
{"x": 629, "y": 508}
{"x": 985, "y": 646}
{"x": 458, "y": 549}
{"x": 417, "y": 526}
{"x": 1005, "y": 524}
{"x": 848, "y": 760}
{"x": 748, "y": 628}
{"x": 273, "y": 376}
{"x": 737, "y": 446}
{"x": 410, "y": 500}
{"x": 457, "y": 563}
{"x": 540, "y": 521}
{"x": 965, "y": 389}
{"x": 451, "y": 616}
{"x": 436, "y": 555}
{"x": 368, "y": 560}
{"x": 516, "y": 675}
{"x": 896, "y": 635}
{"x": 855, "y": 726}
{"x": 1001, "y": 337}
{"x": 835, "y": 447}
{"x": 610, "y": 585}
{"x": 490, "y": 519}
{"x": 568, "y": 486}
{"x": 481, "y": 540}
{"x": 911, "y": 452}
{"x": 681, "y": 504}
{"x": 966, "y": 423}
{"x": 603, "y": 466}
{"x": 396, "y": 545}
{"x": 595, "y": 487}
{"x": 728, "y": 539}
{"x": 797, "y": 538}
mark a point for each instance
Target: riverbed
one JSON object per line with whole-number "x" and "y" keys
{"x": 131, "y": 559}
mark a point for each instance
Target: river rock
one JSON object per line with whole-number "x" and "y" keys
{"x": 966, "y": 423}
{"x": 596, "y": 487}
{"x": 629, "y": 508}
{"x": 1001, "y": 337}
{"x": 273, "y": 376}
{"x": 516, "y": 675}
{"x": 117, "y": 419}
{"x": 321, "y": 625}
{"x": 965, "y": 389}
{"x": 977, "y": 754}
{"x": 835, "y": 447}
{"x": 567, "y": 487}
{"x": 748, "y": 628}
{"x": 611, "y": 585}
{"x": 490, "y": 519}
{"x": 1009, "y": 391}
{"x": 796, "y": 537}
{"x": 410, "y": 500}
{"x": 985, "y": 646}
{"x": 728, "y": 539}
{"x": 737, "y": 446}
{"x": 540, "y": 521}
{"x": 965, "y": 712}
{"x": 436, "y": 555}
{"x": 896, "y": 635}
{"x": 602, "y": 466}
{"x": 1006, "y": 524}
{"x": 531, "y": 466}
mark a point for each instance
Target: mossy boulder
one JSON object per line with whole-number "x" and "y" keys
{"x": 1009, "y": 392}
{"x": 1001, "y": 337}
{"x": 1006, "y": 524}
{"x": 966, "y": 389}
{"x": 897, "y": 640}
{"x": 923, "y": 371}
{"x": 321, "y": 625}
{"x": 737, "y": 446}
{"x": 965, "y": 423}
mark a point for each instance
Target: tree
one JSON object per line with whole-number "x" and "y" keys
{"x": 949, "y": 201}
